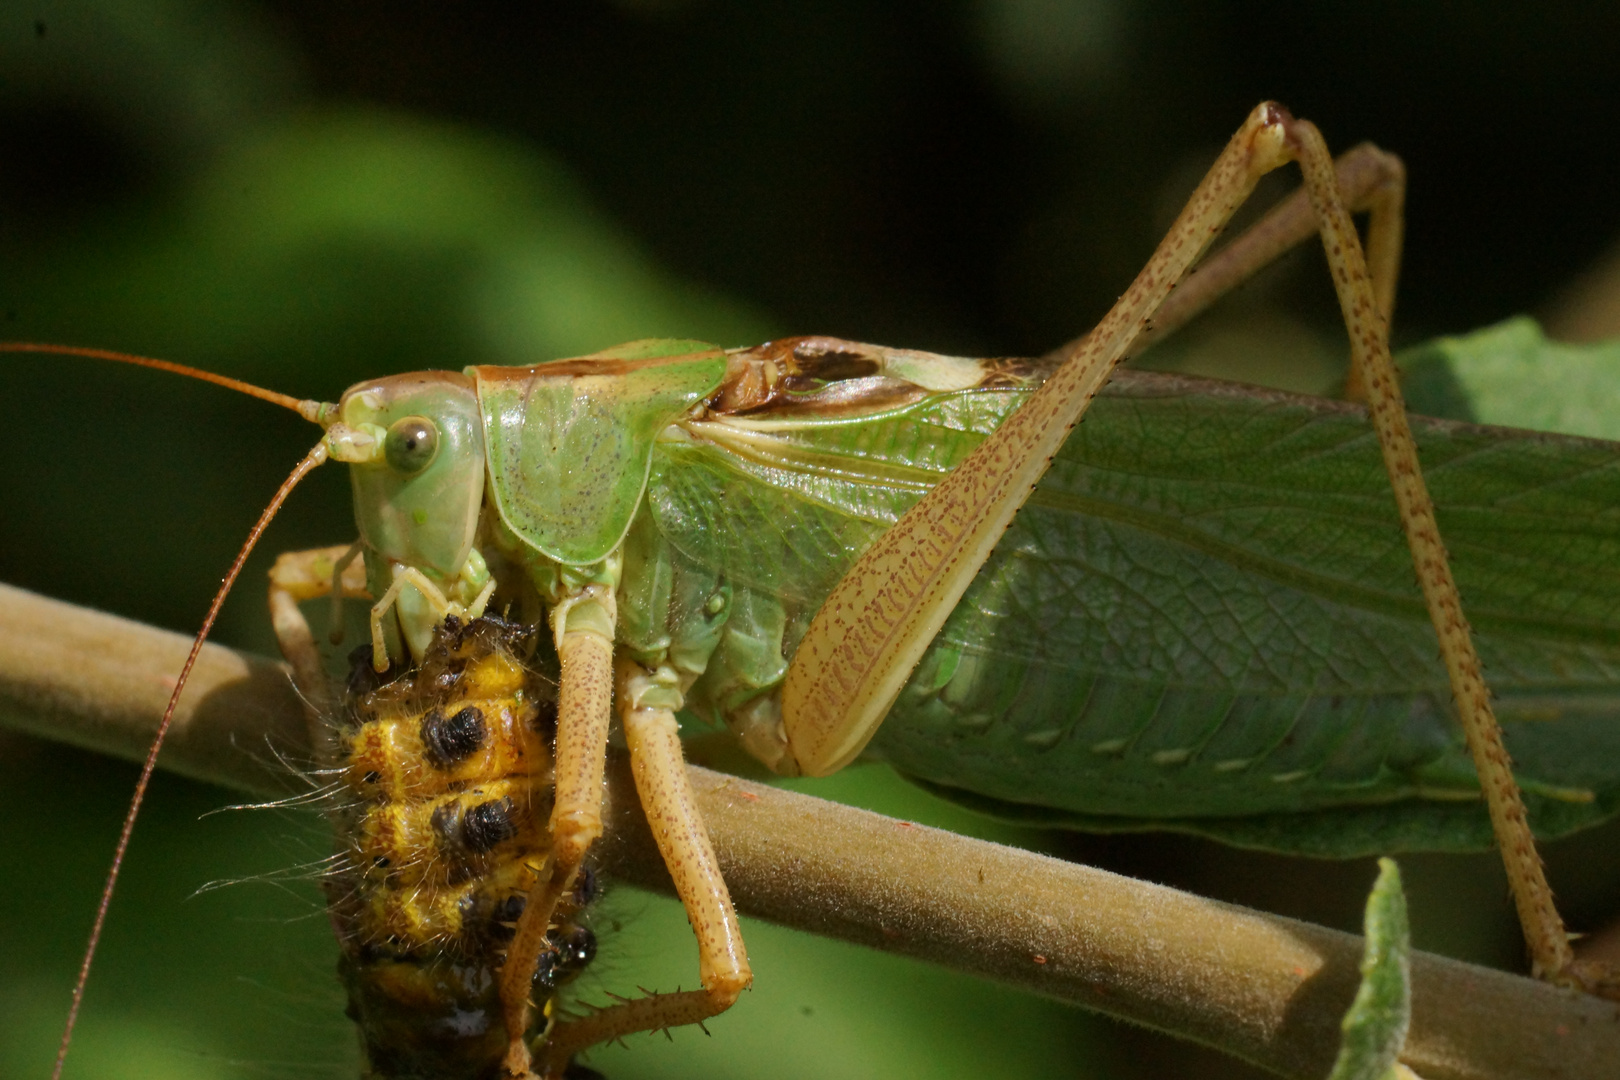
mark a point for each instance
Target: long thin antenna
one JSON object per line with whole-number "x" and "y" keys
{"x": 311, "y": 460}
{"x": 309, "y": 410}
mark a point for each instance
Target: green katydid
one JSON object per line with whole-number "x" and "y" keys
{"x": 644, "y": 592}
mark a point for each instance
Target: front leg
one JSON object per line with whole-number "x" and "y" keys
{"x": 309, "y": 575}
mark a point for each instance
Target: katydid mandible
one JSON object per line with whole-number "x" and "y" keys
{"x": 509, "y": 485}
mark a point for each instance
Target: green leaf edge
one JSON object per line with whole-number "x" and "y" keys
{"x": 1511, "y": 374}
{"x": 1375, "y": 1025}
{"x": 1347, "y": 832}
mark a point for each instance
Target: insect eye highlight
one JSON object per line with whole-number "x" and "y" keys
{"x": 412, "y": 444}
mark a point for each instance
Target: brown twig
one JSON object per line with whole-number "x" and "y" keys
{"x": 1264, "y": 988}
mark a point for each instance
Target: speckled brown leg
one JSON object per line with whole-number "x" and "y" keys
{"x": 659, "y": 767}
{"x": 1551, "y": 955}
{"x": 583, "y": 625}
{"x": 1370, "y": 180}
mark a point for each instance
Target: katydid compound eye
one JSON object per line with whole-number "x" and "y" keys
{"x": 411, "y": 445}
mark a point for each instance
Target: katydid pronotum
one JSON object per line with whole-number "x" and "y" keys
{"x": 564, "y": 491}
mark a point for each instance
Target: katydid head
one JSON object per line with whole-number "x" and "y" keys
{"x": 416, "y": 446}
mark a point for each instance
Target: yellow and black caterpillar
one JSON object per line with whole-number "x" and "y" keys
{"x": 447, "y": 773}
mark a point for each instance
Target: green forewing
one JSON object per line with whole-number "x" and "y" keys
{"x": 1206, "y": 617}
{"x": 569, "y": 443}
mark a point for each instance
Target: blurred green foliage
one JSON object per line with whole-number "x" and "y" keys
{"x": 1510, "y": 374}
{"x": 306, "y": 194}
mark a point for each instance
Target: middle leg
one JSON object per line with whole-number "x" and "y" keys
{"x": 583, "y": 624}
{"x": 647, "y": 706}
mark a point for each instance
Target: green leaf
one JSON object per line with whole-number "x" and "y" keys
{"x": 1510, "y": 374}
{"x": 1342, "y": 832}
{"x": 1375, "y": 1027}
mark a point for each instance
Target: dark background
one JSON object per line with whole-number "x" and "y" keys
{"x": 306, "y": 194}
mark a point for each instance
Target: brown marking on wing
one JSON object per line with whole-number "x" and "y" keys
{"x": 832, "y": 378}
{"x": 790, "y": 373}
{"x": 1004, "y": 372}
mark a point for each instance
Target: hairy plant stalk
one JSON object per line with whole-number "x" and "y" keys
{"x": 1264, "y": 988}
